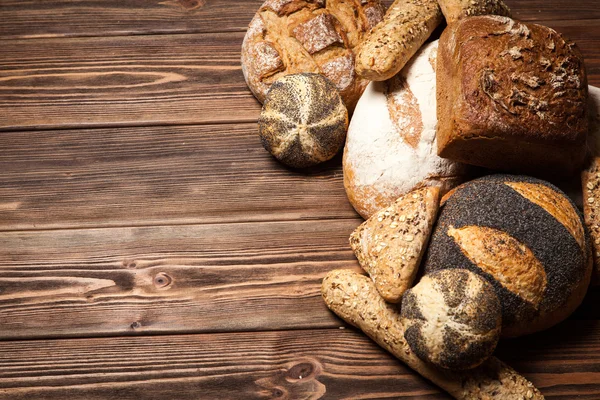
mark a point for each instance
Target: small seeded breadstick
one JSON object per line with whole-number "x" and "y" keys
{"x": 353, "y": 298}
{"x": 454, "y": 10}
{"x": 390, "y": 244}
{"x": 392, "y": 42}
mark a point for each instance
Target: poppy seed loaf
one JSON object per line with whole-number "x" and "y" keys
{"x": 452, "y": 319}
{"x": 511, "y": 96}
{"x": 303, "y": 121}
{"x": 526, "y": 238}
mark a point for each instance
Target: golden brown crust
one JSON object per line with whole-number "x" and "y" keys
{"x": 354, "y": 298}
{"x": 392, "y": 42}
{"x": 454, "y": 10}
{"x": 590, "y": 182}
{"x": 389, "y": 245}
{"x": 293, "y": 36}
{"x": 511, "y": 96}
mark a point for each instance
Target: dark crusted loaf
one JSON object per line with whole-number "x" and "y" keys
{"x": 526, "y": 238}
{"x": 511, "y": 96}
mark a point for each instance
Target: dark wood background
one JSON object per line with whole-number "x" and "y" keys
{"x": 149, "y": 246}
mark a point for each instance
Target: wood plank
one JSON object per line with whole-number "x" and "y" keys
{"x": 147, "y": 80}
{"x": 192, "y": 278}
{"x": 157, "y": 176}
{"x": 310, "y": 364}
{"x": 69, "y": 18}
{"x": 124, "y": 81}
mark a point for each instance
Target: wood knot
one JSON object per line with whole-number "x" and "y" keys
{"x": 131, "y": 264}
{"x": 135, "y": 325}
{"x": 162, "y": 280}
{"x": 301, "y": 371}
{"x": 191, "y": 4}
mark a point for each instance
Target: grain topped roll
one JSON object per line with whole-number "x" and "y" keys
{"x": 391, "y": 143}
{"x": 526, "y": 238}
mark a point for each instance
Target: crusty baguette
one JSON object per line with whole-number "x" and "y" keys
{"x": 353, "y": 297}
{"x": 454, "y": 10}
{"x": 392, "y": 42}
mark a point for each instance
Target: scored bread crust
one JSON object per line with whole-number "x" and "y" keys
{"x": 391, "y": 44}
{"x": 391, "y": 142}
{"x": 354, "y": 298}
{"x": 511, "y": 97}
{"x": 294, "y": 36}
{"x": 389, "y": 245}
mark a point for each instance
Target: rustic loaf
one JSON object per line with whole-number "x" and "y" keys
{"x": 511, "y": 96}
{"x": 353, "y": 298}
{"x": 454, "y": 10}
{"x": 452, "y": 319}
{"x": 391, "y": 144}
{"x": 390, "y": 244}
{"x": 590, "y": 181}
{"x": 303, "y": 121}
{"x": 293, "y": 36}
{"x": 387, "y": 48}
{"x": 526, "y": 238}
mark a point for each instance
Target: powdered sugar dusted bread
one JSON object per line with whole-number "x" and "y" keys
{"x": 391, "y": 144}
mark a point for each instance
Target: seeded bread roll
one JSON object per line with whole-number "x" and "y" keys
{"x": 353, "y": 298}
{"x": 390, "y": 244}
{"x": 511, "y": 97}
{"x": 303, "y": 121}
{"x": 391, "y": 145}
{"x": 387, "y": 48}
{"x": 293, "y": 36}
{"x": 526, "y": 238}
{"x": 452, "y": 319}
{"x": 454, "y": 10}
{"x": 590, "y": 182}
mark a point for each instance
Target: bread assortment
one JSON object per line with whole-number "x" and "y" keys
{"x": 353, "y": 298}
{"x": 303, "y": 121}
{"x": 294, "y": 36}
{"x": 452, "y": 319}
{"x": 526, "y": 238}
{"x": 511, "y": 96}
{"x": 390, "y": 244}
{"x": 391, "y": 144}
{"x": 392, "y": 42}
{"x": 451, "y": 268}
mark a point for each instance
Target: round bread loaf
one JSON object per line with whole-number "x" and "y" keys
{"x": 452, "y": 319}
{"x": 303, "y": 121}
{"x": 526, "y": 238}
{"x": 292, "y": 36}
{"x": 391, "y": 146}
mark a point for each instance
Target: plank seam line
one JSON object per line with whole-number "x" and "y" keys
{"x": 116, "y": 226}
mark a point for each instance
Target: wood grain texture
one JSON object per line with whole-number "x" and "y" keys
{"x": 309, "y": 364}
{"x": 192, "y": 278}
{"x": 70, "y": 18}
{"x": 123, "y": 81}
{"x": 157, "y": 176}
{"x": 148, "y": 80}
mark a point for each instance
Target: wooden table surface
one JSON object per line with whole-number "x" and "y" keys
{"x": 151, "y": 248}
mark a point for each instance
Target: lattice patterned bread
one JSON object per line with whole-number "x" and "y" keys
{"x": 391, "y": 145}
{"x": 454, "y": 10}
{"x": 353, "y": 298}
{"x": 303, "y": 121}
{"x": 452, "y": 319}
{"x": 526, "y": 238}
{"x": 390, "y": 244}
{"x": 293, "y": 36}
{"x": 511, "y": 97}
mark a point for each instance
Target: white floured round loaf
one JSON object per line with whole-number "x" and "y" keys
{"x": 391, "y": 145}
